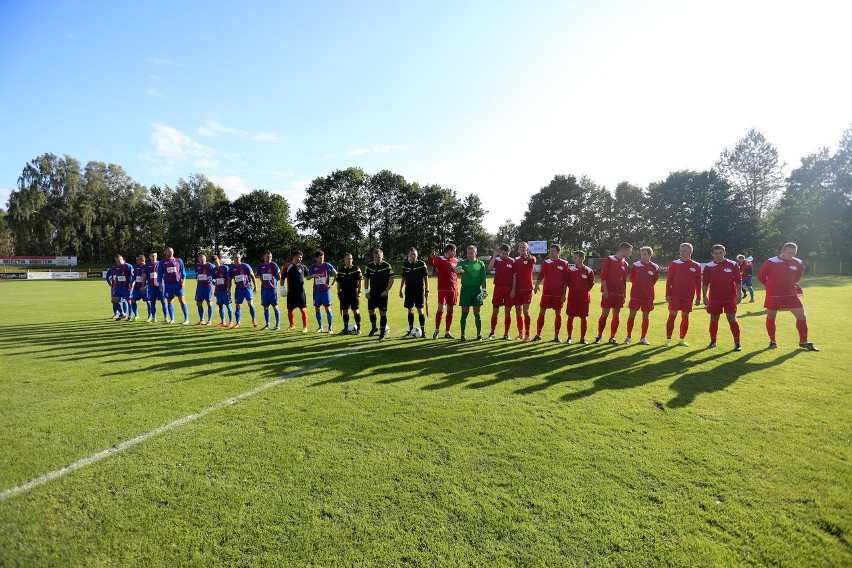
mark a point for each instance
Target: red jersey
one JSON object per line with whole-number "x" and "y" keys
{"x": 683, "y": 280}
{"x": 746, "y": 269}
{"x": 580, "y": 281}
{"x": 504, "y": 271}
{"x": 780, "y": 276}
{"x": 643, "y": 277}
{"x": 724, "y": 280}
{"x": 614, "y": 273}
{"x": 524, "y": 269}
{"x": 447, "y": 277}
{"x": 553, "y": 274}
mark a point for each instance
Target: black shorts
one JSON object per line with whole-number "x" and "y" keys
{"x": 296, "y": 301}
{"x": 413, "y": 298}
{"x": 377, "y": 302}
{"x": 349, "y": 301}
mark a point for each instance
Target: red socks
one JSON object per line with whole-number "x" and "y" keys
{"x": 714, "y": 330}
{"x": 583, "y": 325}
{"x": 449, "y": 320}
{"x": 802, "y": 326}
{"x": 770, "y": 329}
{"x": 539, "y": 324}
{"x": 630, "y": 322}
{"x": 557, "y": 324}
{"x": 290, "y": 317}
{"x": 527, "y": 324}
{"x": 645, "y": 323}
{"x": 570, "y": 328}
{"x": 684, "y": 325}
{"x": 735, "y": 330}
{"x": 493, "y": 324}
{"x": 601, "y": 325}
{"x": 507, "y": 325}
{"x": 438, "y": 317}
{"x": 613, "y": 326}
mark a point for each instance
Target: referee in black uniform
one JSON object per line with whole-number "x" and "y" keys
{"x": 414, "y": 288}
{"x": 349, "y": 293}
{"x": 378, "y": 280}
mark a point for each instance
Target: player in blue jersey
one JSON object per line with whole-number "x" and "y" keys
{"x": 204, "y": 289}
{"x": 269, "y": 273}
{"x": 244, "y": 286}
{"x": 155, "y": 294}
{"x": 139, "y": 288}
{"x": 222, "y": 291}
{"x": 122, "y": 278}
{"x": 172, "y": 276}
{"x": 293, "y": 279}
{"x": 321, "y": 273}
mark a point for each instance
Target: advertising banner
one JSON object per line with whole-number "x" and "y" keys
{"x": 13, "y": 275}
{"x": 538, "y": 247}
{"x": 38, "y": 261}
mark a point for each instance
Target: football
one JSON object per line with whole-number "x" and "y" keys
{"x": 416, "y": 332}
{"x": 387, "y": 329}
{"x": 352, "y": 328}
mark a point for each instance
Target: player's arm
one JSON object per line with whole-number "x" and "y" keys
{"x": 425, "y": 279}
{"x": 493, "y": 260}
{"x": 763, "y": 275}
{"x": 182, "y": 267}
{"x": 738, "y": 278}
{"x": 697, "y": 280}
{"x": 705, "y": 285}
{"x": 482, "y": 277}
{"x": 253, "y": 280}
{"x": 405, "y": 271}
{"x": 669, "y": 282}
{"x": 539, "y": 279}
{"x": 367, "y": 275}
{"x": 591, "y": 280}
{"x": 390, "y": 283}
{"x": 604, "y": 275}
{"x": 514, "y": 285}
{"x": 358, "y": 280}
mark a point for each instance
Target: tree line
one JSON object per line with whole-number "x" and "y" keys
{"x": 745, "y": 201}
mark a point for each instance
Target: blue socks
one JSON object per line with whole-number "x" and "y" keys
{"x": 277, "y": 317}
{"x": 239, "y": 313}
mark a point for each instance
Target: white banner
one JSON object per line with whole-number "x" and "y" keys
{"x": 39, "y": 275}
{"x": 38, "y": 261}
{"x": 65, "y": 275}
{"x": 53, "y": 275}
{"x": 538, "y": 247}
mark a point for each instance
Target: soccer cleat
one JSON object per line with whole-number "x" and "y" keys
{"x": 435, "y": 335}
{"x": 751, "y": 301}
{"x": 557, "y": 340}
{"x": 479, "y": 338}
{"x": 583, "y": 341}
{"x": 683, "y": 343}
{"x": 343, "y": 331}
{"x": 304, "y": 330}
{"x": 507, "y": 337}
{"x": 254, "y": 323}
{"x": 320, "y": 330}
{"x": 597, "y": 340}
{"x": 463, "y": 338}
{"x": 150, "y": 319}
{"x": 185, "y": 322}
{"x": 808, "y": 346}
{"x": 537, "y": 338}
{"x": 449, "y": 335}
{"x": 519, "y": 338}
{"x": 627, "y": 341}
{"x": 668, "y": 342}
{"x": 373, "y": 332}
{"x": 221, "y": 324}
{"x": 612, "y": 341}
{"x": 381, "y": 337}
{"x": 209, "y": 322}
{"x": 231, "y": 325}
{"x": 329, "y": 330}
{"x": 712, "y": 345}
{"x": 200, "y": 322}
{"x": 235, "y": 326}
{"x": 276, "y": 328}
{"x": 491, "y": 336}
{"x": 409, "y": 333}
{"x": 423, "y": 333}
{"x": 772, "y": 345}
{"x": 738, "y": 347}
{"x": 264, "y": 327}
{"x": 569, "y": 341}
{"x": 170, "y": 322}
{"x": 358, "y": 331}
{"x": 292, "y": 328}
{"x": 526, "y": 339}
{"x": 644, "y": 341}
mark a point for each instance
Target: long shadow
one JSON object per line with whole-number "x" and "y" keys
{"x": 741, "y": 315}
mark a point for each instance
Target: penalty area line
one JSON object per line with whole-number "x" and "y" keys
{"x": 121, "y": 446}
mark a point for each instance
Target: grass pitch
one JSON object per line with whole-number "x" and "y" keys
{"x": 422, "y": 452}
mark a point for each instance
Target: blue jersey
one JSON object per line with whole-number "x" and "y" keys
{"x": 241, "y": 273}
{"x": 152, "y": 271}
{"x": 295, "y": 274}
{"x": 122, "y": 277}
{"x": 140, "y": 277}
{"x": 172, "y": 270}
{"x": 268, "y": 275}
{"x": 221, "y": 274}
{"x": 322, "y": 276}
{"x": 204, "y": 274}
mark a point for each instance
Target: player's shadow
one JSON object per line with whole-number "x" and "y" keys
{"x": 741, "y": 315}
{"x": 691, "y": 384}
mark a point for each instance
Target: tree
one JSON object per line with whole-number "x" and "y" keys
{"x": 7, "y": 241}
{"x": 468, "y": 228}
{"x": 388, "y": 192}
{"x": 629, "y": 218}
{"x": 507, "y": 233}
{"x": 260, "y": 221}
{"x": 555, "y": 214}
{"x": 195, "y": 212}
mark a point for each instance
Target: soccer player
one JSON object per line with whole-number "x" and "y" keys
{"x": 122, "y": 278}
{"x": 746, "y": 273}
{"x": 683, "y": 283}
{"x": 780, "y": 275}
{"x": 348, "y": 281}
{"x": 139, "y": 288}
{"x": 204, "y": 289}
{"x": 414, "y": 287}
{"x": 643, "y": 277}
{"x": 580, "y": 281}
{"x": 269, "y": 273}
{"x": 722, "y": 277}
{"x": 222, "y": 290}
{"x": 245, "y": 285}
{"x": 553, "y": 271}
{"x": 503, "y": 266}
{"x": 472, "y": 271}
{"x": 613, "y": 288}
{"x": 155, "y": 292}
{"x": 293, "y": 276}
{"x": 172, "y": 276}
{"x": 522, "y": 292}
{"x": 378, "y": 281}
{"x": 321, "y": 273}
{"x": 448, "y": 288}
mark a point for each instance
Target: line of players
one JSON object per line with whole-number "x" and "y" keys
{"x": 718, "y": 285}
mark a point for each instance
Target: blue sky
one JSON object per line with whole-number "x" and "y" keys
{"x": 492, "y": 98}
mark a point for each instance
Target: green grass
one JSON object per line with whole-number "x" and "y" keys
{"x": 422, "y": 452}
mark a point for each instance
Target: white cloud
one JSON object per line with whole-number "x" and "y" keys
{"x": 234, "y": 186}
{"x": 372, "y": 150}
{"x": 213, "y": 128}
{"x": 5, "y": 192}
{"x": 172, "y": 146}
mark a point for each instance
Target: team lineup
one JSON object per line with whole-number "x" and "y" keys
{"x": 720, "y": 285}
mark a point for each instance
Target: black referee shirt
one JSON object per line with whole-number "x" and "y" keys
{"x": 379, "y": 276}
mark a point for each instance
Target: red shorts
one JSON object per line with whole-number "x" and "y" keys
{"x": 554, "y": 302}
{"x": 448, "y": 297}
{"x": 615, "y": 301}
{"x": 523, "y": 297}
{"x": 641, "y": 305}
{"x": 722, "y": 307}
{"x": 577, "y": 310}
{"x": 782, "y": 303}
{"x": 500, "y": 296}
{"x": 680, "y": 305}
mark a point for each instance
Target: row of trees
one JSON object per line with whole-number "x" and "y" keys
{"x": 745, "y": 201}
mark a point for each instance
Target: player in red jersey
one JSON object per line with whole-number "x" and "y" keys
{"x": 643, "y": 277}
{"x": 683, "y": 283}
{"x": 722, "y": 278}
{"x": 613, "y": 289}
{"x": 523, "y": 291}
{"x": 553, "y": 271}
{"x": 448, "y": 288}
{"x": 503, "y": 266}
{"x": 580, "y": 281}
{"x": 779, "y": 275}
{"x": 746, "y": 272}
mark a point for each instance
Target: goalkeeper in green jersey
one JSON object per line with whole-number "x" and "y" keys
{"x": 472, "y": 271}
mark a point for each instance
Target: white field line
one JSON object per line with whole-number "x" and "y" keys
{"x": 120, "y": 447}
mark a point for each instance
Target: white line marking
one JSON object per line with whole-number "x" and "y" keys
{"x": 120, "y": 447}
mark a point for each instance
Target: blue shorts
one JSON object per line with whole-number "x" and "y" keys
{"x": 322, "y": 299}
{"x": 204, "y": 294}
{"x": 243, "y": 294}
{"x": 173, "y": 289}
{"x": 138, "y": 294}
{"x": 154, "y": 294}
{"x": 746, "y": 281}
{"x": 268, "y": 296}
{"x": 121, "y": 293}
{"x": 223, "y": 298}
